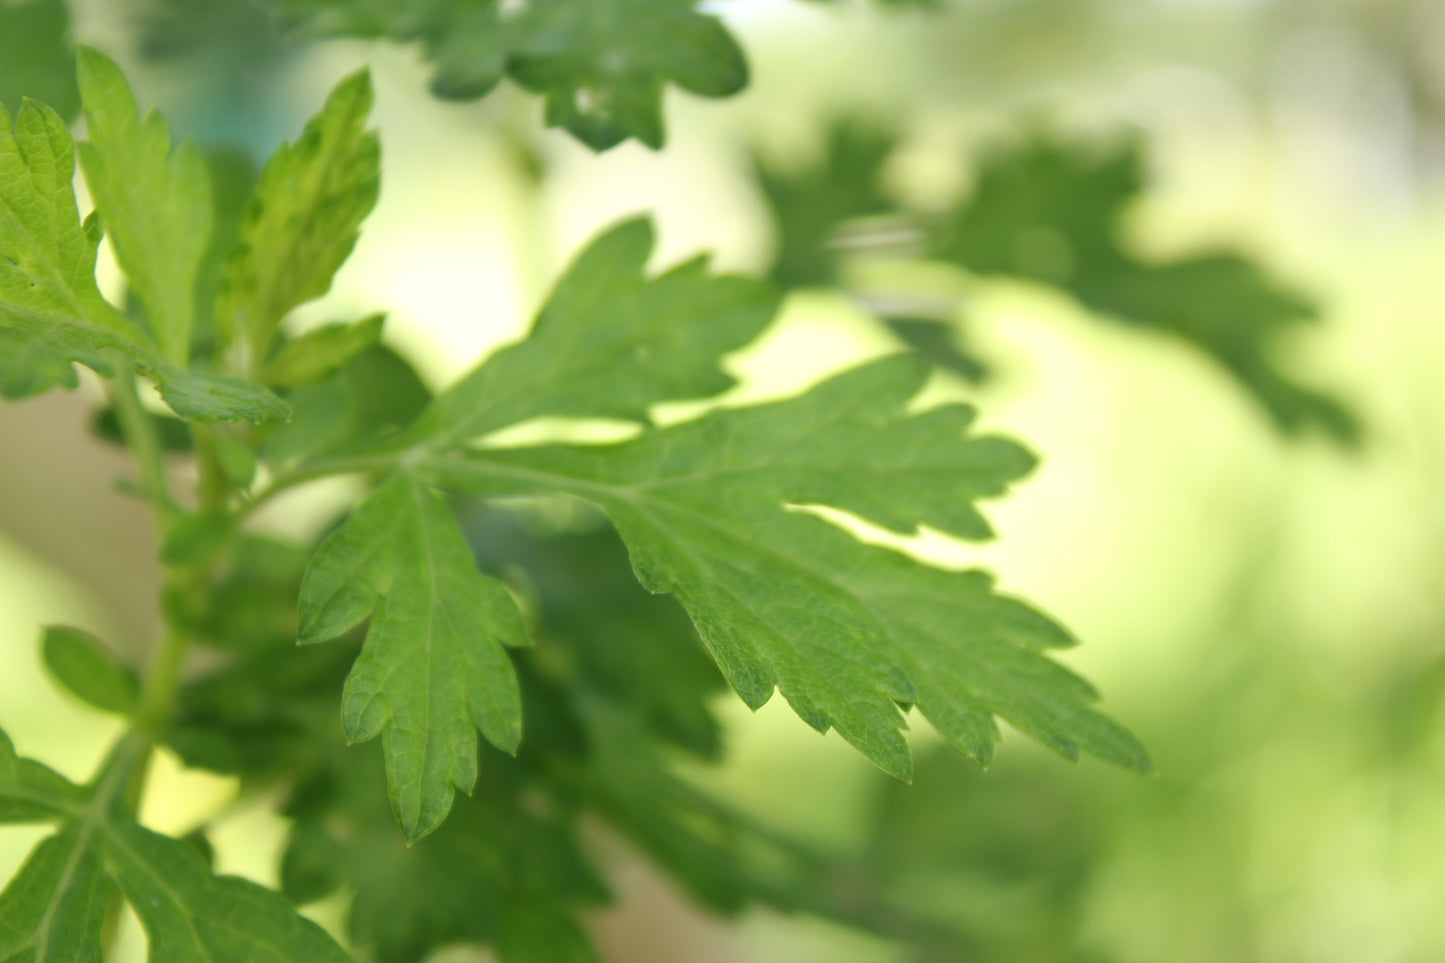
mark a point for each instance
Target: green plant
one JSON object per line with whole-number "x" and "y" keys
{"x": 531, "y": 633}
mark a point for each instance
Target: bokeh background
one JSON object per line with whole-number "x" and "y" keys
{"x": 1266, "y": 612}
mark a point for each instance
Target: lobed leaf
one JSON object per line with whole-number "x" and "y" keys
{"x": 301, "y": 222}
{"x": 601, "y": 64}
{"x": 54, "y": 909}
{"x": 433, "y": 669}
{"x": 783, "y": 600}
{"x": 52, "y": 315}
{"x": 156, "y": 203}
{"x": 609, "y": 343}
{"x": 1052, "y": 212}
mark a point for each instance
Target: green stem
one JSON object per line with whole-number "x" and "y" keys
{"x": 140, "y": 436}
{"x": 314, "y": 471}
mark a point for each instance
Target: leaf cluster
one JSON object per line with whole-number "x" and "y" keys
{"x": 524, "y": 678}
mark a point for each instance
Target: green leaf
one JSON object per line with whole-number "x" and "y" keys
{"x": 47, "y": 261}
{"x": 301, "y": 222}
{"x": 55, "y": 908}
{"x": 321, "y": 352}
{"x": 809, "y": 205}
{"x": 602, "y": 64}
{"x": 609, "y": 343}
{"x": 433, "y": 668}
{"x": 190, "y": 915}
{"x": 529, "y": 933}
{"x": 31, "y": 792}
{"x": 52, "y": 315}
{"x": 634, "y": 648}
{"x": 1053, "y": 212}
{"x": 36, "y": 59}
{"x": 208, "y": 397}
{"x": 156, "y": 203}
{"x": 371, "y": 398}
{"x": 82, "y": 663}
{"x": 509, "y": 845}
{"x": 784, "y": 600}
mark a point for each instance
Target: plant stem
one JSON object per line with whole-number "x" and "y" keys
{"x": 140, "y": 436}
{"x": 314, "y": 471}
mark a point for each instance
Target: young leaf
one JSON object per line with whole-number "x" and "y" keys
{"x": 319, "y": 353}
{"x": 156, "y": 203}
{"x": 433, "y": 668}
{"x": 782, "y": 599}
{"x": 602, "y": 64}
{"x": 206, "y": 396}
{"x": 47, "y": 261}
{"x": 609, "y": 343}
{"x": 302, "y": 221}
{"x": 52, "y": 315}
{"x": 82, "y": 663}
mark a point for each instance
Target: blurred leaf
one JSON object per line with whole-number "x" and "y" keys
{"x": 55, "y": 907}
{"x": 155, "y": 202}
{"x": 602, "y": 64}
{"x": 609, "y": 343}
{"x": 301, "y": 222}
{"x": 433, "y": 669}
{"x": 374, "y": 395}
{"x": 36, "y": 58}
{"x": 88, "y": 670}
{"x": 636, "y": 649}
{"x": 938, "y": 343}
{"x": 810, "y": 205}
{"x": 510, "y": 843}
{"x": 208, "y": 397}
{"x": 783, "y": 599}
{"x": 1053, "y": 212}
{"x": 320, "y": 352}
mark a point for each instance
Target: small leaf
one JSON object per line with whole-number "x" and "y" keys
{"x": 321, "y": 352}
{"x": 55, "y": 907}
{"x": 301, "y": 222}
{"x": 433, "y": 669}
{"x": 156, "y": 203}
{"x": 51, "y": 312}
{"x": 81, "y": 662}
{"x": 208, "y": 397}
